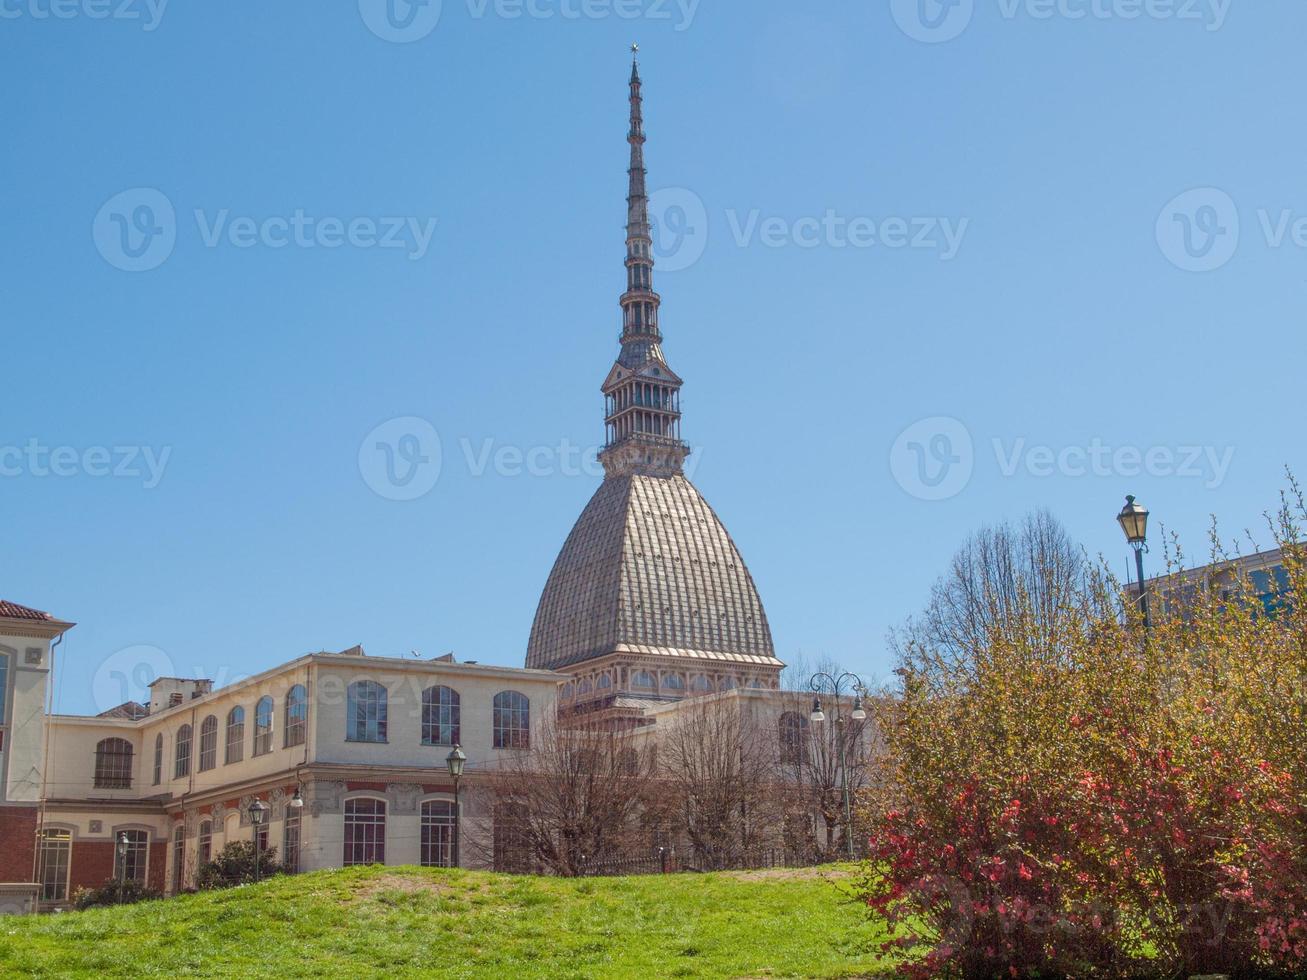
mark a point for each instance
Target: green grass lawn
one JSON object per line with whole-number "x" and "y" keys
{"x": 425, "y": 922}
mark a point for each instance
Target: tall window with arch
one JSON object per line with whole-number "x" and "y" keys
{"x": 158, "y": 759}
{"x": 113, "y": 764}
{"x": 290, "y": 841}
{"x": 437, "y": 834}
{"x": 204, "y": 843}
{"x": 132, "y": 864}
{"x": 365, "y": 704}
{"x": 511, "y": 717}
{"x": 365, "y": 831}
{"x": 793, "y": 736}
{"x": 263, "y": 726}
{"x": 235, "y": 735}
{"x": 181, "y": 767}
{"x": 644, "y": 680}
{"x": 297, "y": 716}
{"x": 178, "y": 858}
{"x": 54, "y": 859}
{"x": 209, "y": 743}
{"x": 440, "y": 716}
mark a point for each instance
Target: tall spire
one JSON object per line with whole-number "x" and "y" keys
{"x": 642, "y": 394}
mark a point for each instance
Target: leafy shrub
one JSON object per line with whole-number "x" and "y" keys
{"x": 114, "y": 893}
{"x": 1073, "y": 796}
{"x": 234, "y": 865}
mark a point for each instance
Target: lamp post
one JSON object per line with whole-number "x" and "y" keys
{"x": 1134, "y": 522}
{"x": 820, "y": 680}
{"x": 296, "y": 802}
{"x": 122, "y": 862}
{"x": 456, "y": 760}
{"x": 258, "y": 813}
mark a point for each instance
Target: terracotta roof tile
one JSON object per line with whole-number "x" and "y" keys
{"x": 12, "y": 610}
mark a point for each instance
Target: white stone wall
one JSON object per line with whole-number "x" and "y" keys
{"x": 23, "y": 729}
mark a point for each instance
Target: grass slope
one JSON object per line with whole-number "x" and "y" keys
{"x": 427, "y": 922}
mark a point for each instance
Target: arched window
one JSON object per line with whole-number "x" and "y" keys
{"x": 568, "y": 691}
{"x": 131, "y": 865}
{"x": 204, "y": 847}
{"x": 605, "y": 682}
{"x": 510, "y": 843}
{"x": 365, "y": 831}
{"x": 583, "y": 686}
{"x": 158, "y": 759}
{"x": 512, "y": 720}
{"x": 290, "y": 841}
{"x": 793, "y": 736}
{"x": 437, "y": 834}
{"x": 440, "y": 716}
{"x": 178, "y": 858}
{"x": 644, "y": 680}
{"x": 673, "y": 682}
{"x": 263, "y": 726}
{"x": 54, "y": 859}
{"x": 235, "y": 735}
{"x": 208, "y": 743}
{"x": 366, "y": 712}
{"x": 700, "y": 683}
{"x": 113, "y": 764}
{"x": 728, "y": 683}
{"x": 297, "y": 715}
{"x": 181, "y": 766}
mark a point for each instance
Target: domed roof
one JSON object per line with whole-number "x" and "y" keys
{"x": 649, "y": 569}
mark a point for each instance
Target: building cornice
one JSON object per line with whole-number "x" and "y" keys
{"x": 351, "y": 661}
{"x": 42, "y": 629}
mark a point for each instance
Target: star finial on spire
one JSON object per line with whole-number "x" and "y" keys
{"x": 635, "y": 49}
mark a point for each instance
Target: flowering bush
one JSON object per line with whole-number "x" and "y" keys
{"x": 1075, "y": 796}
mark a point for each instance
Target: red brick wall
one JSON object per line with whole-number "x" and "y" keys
{"x": 17, "y": 842}
{"x": 93, "y": 863}
{"x": 154, "y": 874}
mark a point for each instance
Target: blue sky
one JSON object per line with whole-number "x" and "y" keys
{"x": 924, "y": 268}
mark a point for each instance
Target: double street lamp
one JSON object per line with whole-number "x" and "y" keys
{"x": 821, "y": 681}
{"x": 1134, "y": 522}
{"x": 456, "y": 760}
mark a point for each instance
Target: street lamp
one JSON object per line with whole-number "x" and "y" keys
{"x": 820, "y": 680}
{"x": 456, "y": 760}
{"x": 258, "y": 813}
{"x": 296, "y": 802}
{"x": 122, "y": 861}
{"x": 1134, "y": 522}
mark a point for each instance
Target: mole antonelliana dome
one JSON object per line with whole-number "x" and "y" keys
{"x": 649, "y": 594}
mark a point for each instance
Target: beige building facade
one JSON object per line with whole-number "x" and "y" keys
{"x": 348, "y": 751}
